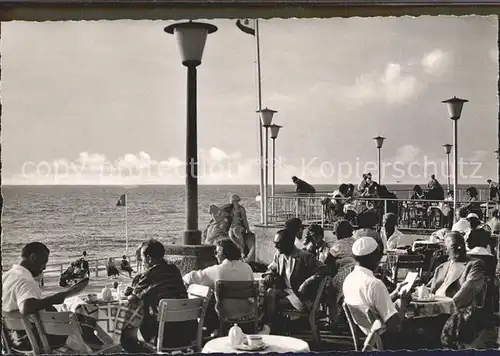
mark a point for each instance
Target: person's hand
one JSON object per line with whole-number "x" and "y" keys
{"x": 77, "y": 288}
{"x": 405, "y": 299}
{"x": 399, "y": 286}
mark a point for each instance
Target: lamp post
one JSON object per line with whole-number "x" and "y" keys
{"x": 497, "y": 154}
{"x": 275, "y": 129}
{"x": 455, "y": 106}
{"x": 379, "y": 140}
{"x": 266, "y": 118}
{"x": 447, "y": 150}
{"x": 191, "y": 38}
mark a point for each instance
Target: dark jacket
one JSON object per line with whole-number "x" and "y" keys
{"x": 304, "y": 187}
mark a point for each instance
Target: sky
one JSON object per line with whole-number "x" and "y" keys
{"x": 104, "y": 102}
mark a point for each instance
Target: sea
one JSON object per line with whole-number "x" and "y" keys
{"x": 71, "y": 219}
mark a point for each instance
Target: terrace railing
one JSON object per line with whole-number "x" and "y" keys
{"x": 412, "y": 214}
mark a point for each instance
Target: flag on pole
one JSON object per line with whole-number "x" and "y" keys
{"x": 246, "y": 26}
{"x": 122, "y": 201}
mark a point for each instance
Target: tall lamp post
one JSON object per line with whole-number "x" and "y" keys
{"x": 379, "y": 140}
{"x": 266, "y": 118}
{"x": 497, "y": 154}
{"x": 191, "y": 38}
{"x": 455, "y": 106}
{"x": 275, "y": 129}
{"x": 447, "y": 150}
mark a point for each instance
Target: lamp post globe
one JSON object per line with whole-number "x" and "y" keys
{"x": 379, "y": 140}
{"x": 191, "y": 38}
{"x": 455, "y": 106}
{"x": 266, "y": 116}
{"x": 275, "y": 129}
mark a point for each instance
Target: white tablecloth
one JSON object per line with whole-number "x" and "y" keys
{"x": 275, "y": 344}
{"x": 258, "y": 277}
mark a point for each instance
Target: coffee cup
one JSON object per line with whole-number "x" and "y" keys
{"x": 423, "y": 292}
{"x": 92, "y": 297}
{"x": 254, "y": 340}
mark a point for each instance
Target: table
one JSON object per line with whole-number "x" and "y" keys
{"x": 107, "y": 319}
{"x": 442, "y": 305}
{"x": 275, "y": 344}
{"x": 425, "y": 243}
{"x": 258, "y": 277}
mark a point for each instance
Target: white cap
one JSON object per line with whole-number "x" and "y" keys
{"x": 472, "y": 215}
{"x": 364, "y": 246}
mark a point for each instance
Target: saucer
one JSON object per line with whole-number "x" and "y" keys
{"x": 245, "y": 347}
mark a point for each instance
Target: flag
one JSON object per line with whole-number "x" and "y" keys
{"x": 246, "y": 26}
{"x": 122, "y": 201}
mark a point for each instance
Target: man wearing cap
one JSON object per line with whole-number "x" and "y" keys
{"x": 462, "y": 225}
{"x": 361, "y": 288}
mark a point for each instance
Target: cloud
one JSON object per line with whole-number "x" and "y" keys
{"x": 215, "y": 167}
{"x": 478, "y": 155}
{"x": 408, "y": 154}
{"x": 435, "y": 61}
{"x": 393, "y": 86}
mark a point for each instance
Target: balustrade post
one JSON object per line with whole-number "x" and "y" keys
{"x": 96, "y": 268}
{"x": 297, "y": 208}
{"x": 61, "y": 268}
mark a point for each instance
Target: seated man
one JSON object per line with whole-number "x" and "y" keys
{"x": 367, "y": 220}
{"x": 160, "y": 280}
{"x": 391, "y": 236}
{"x": 361, "y": 288}
{"x": 295, "y": 227}
{"x": 21, "y": 292}
{"x": 125, "y": 266}
{"x": 461, "y": 277}
{"x": 293, "y": 276}
{"x": 315, "y": 242}
{"x": 230, "y": 268}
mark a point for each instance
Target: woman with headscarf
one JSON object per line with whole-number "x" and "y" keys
{"x": 239, "y": 222}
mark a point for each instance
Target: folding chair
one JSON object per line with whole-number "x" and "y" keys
{"x": 314, "y": 314}
{"x": 14, "y": 321}
{"x": 237, "y": 290}
{"x": 66, "y": 323}
{"x": 177, "y": 310}
{"x": 364, "y": 317}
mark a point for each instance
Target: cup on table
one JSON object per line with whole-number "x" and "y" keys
{"x": 92, "y": 297}
{"x": 423, "y": 292}
{"x": 254, "y": 340}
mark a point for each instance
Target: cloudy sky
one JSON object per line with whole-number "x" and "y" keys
{"x": 104, "y": 102}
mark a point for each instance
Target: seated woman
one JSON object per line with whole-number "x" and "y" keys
{"x": 473, "y": 206}
{"x": 125, "y": 266}
{"x": 111, "y": 268}
{"x": 341, "y": 250}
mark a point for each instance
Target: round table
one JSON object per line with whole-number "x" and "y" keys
{"x": 440, "y": 305}
{"x": 275, "y": 343}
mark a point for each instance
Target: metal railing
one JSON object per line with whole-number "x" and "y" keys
{"x": 412, "y": 214}
{"x": 95, "y": 265}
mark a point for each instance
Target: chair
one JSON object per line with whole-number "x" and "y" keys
{"x": 237, "y": 290}
{"x": 14, "y": 321}
{"x": 408, "y": 262}
{"x": 66, "y": 323}
{"x": 364, "y": 317}
{"x": 314, "y": 314}
{"x": 177, "y": 310}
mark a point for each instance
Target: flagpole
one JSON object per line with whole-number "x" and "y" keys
{"x": 126, "y": 222}
{"x": 263, "y": 186}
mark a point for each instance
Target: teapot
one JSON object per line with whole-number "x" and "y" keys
{"x": 107, "y": 295}
{"x": 236, "y": 336}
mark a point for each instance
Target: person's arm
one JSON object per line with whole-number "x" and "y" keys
{"x": 245, "y": 220}
{"x": 386, "y": 309}
{"x": 199, "y": 277}
{"x": 472, "y": 286}
{"x": 29, "y": 304}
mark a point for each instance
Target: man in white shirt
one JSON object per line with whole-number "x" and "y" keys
{"x": 361, "y": 288}
{"x": 230, "y": 267}
{"x": 462, "y": 225}
{"x": 391, "y": 236}
{"x": 20, "y": 291}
